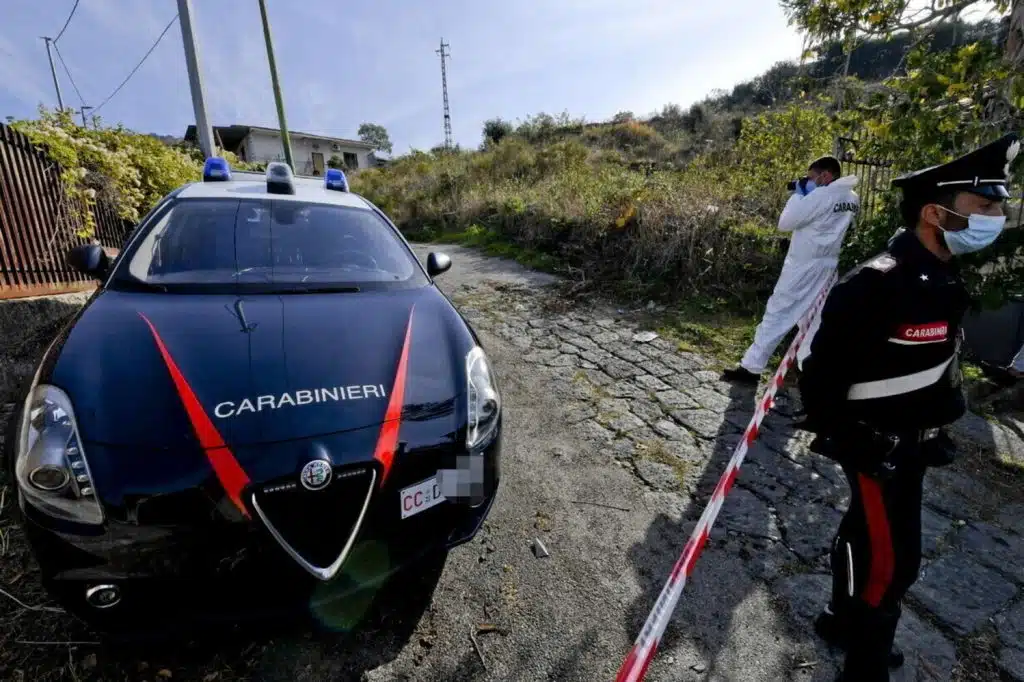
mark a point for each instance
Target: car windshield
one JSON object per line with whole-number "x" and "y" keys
{"x": 268, "y": 245}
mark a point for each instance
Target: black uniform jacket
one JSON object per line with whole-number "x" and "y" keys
{"x": 887, "y": 350}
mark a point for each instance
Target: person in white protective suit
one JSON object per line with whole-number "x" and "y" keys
{"x": 1017, "y": 365}
{"x": 819, "y": 212}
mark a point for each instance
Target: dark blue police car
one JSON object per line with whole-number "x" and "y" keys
{"x": 267, "y": 404}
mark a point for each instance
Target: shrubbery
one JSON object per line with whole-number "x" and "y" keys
{"x": 705, "y": 230}
{"x": 116, "y": 166}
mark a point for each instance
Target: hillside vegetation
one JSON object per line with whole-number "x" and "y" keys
{"x": 678, "y": 206}
{"x": 682, "y": 205}
{"x": 581, "y": 199}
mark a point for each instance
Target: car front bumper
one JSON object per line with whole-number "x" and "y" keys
{"x": 225, "y": 571}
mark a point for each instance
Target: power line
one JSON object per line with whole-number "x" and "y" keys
{"x": 66, "y": 22}
{"x": 68, "y": 72}
{"x": 141, "y": 62}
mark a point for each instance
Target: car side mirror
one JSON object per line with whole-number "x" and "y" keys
{"x": 438, "y": 263}
{"x": 89, "y": 259}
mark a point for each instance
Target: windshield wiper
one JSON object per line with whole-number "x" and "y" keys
{"x": 139, "y": 285}
{"x": 321, "y": 289}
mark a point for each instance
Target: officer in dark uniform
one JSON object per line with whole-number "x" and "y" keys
{"x": 882, "y": 379}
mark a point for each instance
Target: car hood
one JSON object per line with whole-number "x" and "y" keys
{"x": 159, "y": 370}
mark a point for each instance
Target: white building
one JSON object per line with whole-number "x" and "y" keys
{"x": 310, "y": 153}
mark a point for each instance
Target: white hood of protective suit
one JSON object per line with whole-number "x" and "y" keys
{"x": 819, "y": 221}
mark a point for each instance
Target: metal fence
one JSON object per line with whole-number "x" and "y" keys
{"x": 875, "y": 174}
{"x": 38, "y": 223}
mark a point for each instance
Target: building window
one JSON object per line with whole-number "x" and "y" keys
{"x": 351, "y": 160}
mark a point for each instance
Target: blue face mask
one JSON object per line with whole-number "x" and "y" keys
{"x": 809, "y": 187}
{"x": 981, "y": 231}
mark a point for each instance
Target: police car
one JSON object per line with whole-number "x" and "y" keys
{"x": 267, "y": 404}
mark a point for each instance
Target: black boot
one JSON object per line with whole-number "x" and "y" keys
{"x": 741, "y": 375}
{"x": 869, "y": 644}
{"x": 835, "y": 630}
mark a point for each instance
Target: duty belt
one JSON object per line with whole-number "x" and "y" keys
{"x": 919, "y": 436}
{"x": 885, "y": 388}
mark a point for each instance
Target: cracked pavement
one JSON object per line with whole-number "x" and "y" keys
{"x": 613, "y": 444}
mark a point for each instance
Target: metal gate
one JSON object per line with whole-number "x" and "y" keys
{"x": 875, "y": 174}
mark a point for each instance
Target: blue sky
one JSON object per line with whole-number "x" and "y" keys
{"x": 343, "y": 62}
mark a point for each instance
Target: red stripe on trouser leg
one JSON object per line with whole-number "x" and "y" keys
{"x": 387, "y": 441}
{"x": 880, "y": 573}
{"x": 229, "y": 472}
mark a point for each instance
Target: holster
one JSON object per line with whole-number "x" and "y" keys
{"x": 858, "y": 446}
{"x": 880, "y": 454}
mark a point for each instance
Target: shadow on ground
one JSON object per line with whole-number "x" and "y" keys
{"x": 778, "y": 520}
{"x": 370, "y": 632}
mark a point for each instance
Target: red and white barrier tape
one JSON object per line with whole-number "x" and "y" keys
{"x": 635, "y": 666}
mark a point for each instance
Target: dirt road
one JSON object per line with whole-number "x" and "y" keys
{"x": 612, "y": 446}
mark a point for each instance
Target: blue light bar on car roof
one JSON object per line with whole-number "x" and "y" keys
{"x": 280, "y": 179}
{"x": 216, "y": 169}
{"x": 335, "y": 179}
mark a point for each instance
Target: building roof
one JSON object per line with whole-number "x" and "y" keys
{"x": 246, "y": 185}
{"x": 231, "y": 136}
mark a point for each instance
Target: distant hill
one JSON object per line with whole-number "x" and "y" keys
{"x": 871, "y": 61}
{"x": 169, "y": 140}
{"x": 682, "y": 132}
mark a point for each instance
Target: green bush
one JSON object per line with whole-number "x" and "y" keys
{"x": 115, "y": 166}
{"x": 641, "y": 231}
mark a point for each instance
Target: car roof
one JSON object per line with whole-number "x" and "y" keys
{"x": 246, "y": 185}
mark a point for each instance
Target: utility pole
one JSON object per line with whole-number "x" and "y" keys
{"x": 195, "y": 79}
{"x": 53, "y": 72}
{"x": 444, "y": 90}
{"x": 285, "y": 140}
{"x": 84, "y": 107}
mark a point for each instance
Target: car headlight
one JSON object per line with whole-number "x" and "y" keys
{"x": 50, "y": 464}
{"x": 484, "y": 401}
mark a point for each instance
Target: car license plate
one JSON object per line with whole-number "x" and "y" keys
{"x": 421, "y": 496}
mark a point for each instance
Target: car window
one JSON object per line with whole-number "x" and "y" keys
{"x": 278, "y": 243}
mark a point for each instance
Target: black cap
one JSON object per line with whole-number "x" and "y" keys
{"x": 984, "y": 171}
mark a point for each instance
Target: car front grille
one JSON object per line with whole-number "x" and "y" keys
{"x": 317, "y": 527}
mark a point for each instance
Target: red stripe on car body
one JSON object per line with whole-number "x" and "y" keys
{"x": 229, "y": 472}
{"x": 387, "y": 441}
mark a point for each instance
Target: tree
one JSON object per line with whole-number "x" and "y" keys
{"x": 825, "y": 21}
{"x": 829, "y": 20}
{"x": 335, "y": 162}
{"x": 947, "y": 100}
{"x": 495, "y": 130}
{"x": 377, "y": 135}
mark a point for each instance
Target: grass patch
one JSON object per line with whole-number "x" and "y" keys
{"x": 711, "y": 329}
{"x": 1008, "y": 461}
{"x": 654, "y": 450}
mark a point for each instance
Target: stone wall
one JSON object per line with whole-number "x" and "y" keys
{"x": 27, "y": 326}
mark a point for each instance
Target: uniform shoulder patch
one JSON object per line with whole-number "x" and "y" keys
{"x": 882, "y": 263}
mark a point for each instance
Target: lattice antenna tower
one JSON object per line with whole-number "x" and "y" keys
{"x": 444, "y": 90}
